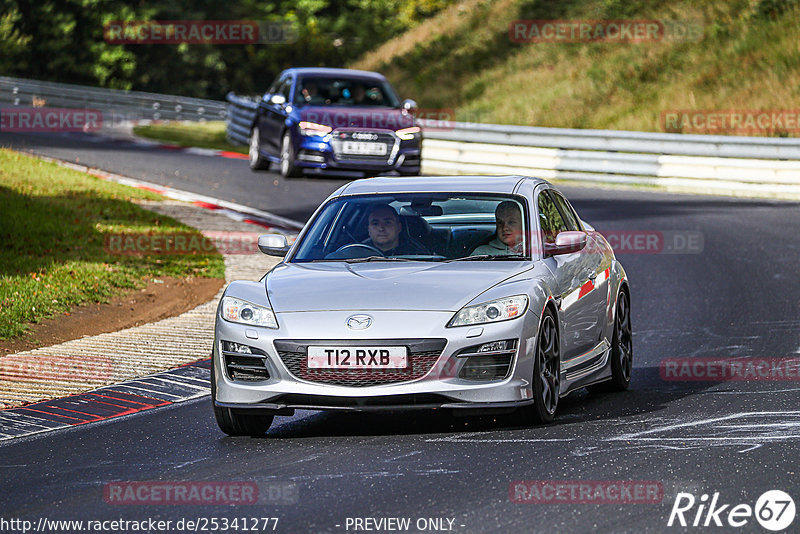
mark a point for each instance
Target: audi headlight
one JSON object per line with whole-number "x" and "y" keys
{"x": 240, "y": 311}
{"x": 407, "y": 134}
{"x": 312, "y": 128}
{"x": 491, "y": 312}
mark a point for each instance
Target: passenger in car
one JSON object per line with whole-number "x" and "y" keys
{"x": 386, "y": 233}
{"x": 508, "y": 238}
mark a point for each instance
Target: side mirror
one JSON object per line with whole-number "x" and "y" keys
{"x": 567, "y": 243}
{"x": 409, "y": 105}
{"x": 273, "y": 244}
{"x": 277, "y": 100}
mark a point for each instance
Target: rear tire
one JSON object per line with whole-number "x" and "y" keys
{"x": 255, "y": 159}
{"x": 236, "y": 424}
{"x": 621, "y": 349}
{"x": 546, "y": 382}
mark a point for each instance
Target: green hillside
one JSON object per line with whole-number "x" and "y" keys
{"x": 747, "y": 57}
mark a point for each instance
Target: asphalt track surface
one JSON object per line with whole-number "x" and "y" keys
{"x": 738, "y": 297}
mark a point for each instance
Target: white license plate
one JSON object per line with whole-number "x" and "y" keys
{"x": 357, "y": 357}
{"x": 361, "y": 147}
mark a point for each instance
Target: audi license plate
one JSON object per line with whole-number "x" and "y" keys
{"x": 364, "y": 148}
{"x": 357, "y": 357}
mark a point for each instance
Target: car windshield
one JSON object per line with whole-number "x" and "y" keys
{"x": 341, "y": 91}
{"x": 418, "y": 227}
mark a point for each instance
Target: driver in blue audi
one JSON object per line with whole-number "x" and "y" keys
{"x": 385, "y": 233}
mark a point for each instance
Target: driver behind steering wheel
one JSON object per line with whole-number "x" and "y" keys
{"x": 385, "y": 233}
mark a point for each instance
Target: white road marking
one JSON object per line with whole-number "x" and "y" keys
{"x": 637, "y": 435}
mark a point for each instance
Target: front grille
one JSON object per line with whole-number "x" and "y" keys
{"x": 387, "y": 139}
{"x": 422, "y": 355}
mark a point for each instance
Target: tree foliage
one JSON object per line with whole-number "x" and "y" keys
{"x": 63, "y": 41}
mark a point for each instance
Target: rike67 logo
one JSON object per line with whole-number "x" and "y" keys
{"x": 774, "y": 510}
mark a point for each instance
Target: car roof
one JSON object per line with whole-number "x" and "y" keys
{"x": 320, "y": 71}
{"x": 413, "y": 184}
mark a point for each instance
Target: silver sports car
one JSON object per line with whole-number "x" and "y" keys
{"x": 478, "y": 293}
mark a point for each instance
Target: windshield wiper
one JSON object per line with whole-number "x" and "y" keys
{"x": 375, "y": 258}
{"x": 489, "y": 257}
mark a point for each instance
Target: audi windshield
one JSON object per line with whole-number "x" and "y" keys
{"x": 343, "y": 91}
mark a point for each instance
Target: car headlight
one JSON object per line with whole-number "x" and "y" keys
{"x": 312, "y": 128}
{"x": 491, "y": 312}
{"x": 407, "y": 134}
{"x": 240, "y": 311}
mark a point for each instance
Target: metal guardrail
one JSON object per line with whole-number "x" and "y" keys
{"x": 116, "y": 105}
{"x": 241, "y": 112}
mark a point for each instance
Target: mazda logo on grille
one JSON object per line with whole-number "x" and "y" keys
{"x": 359, "y": 322}
{"x": 365, "y": 136}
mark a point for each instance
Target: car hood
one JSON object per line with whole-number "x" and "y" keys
{"x": 294, "y": 287}
{"x": 370, "y": 118}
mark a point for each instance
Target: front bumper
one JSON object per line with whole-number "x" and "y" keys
{"x": 316, "y": 155}
{"x": 438, "y": 387}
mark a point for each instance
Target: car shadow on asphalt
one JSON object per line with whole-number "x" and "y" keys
{"x": 647, "y": 394}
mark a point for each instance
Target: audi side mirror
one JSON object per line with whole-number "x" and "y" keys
{"x": 410, "y": 105}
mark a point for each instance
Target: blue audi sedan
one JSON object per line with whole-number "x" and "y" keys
{"x": 334, "y": 121}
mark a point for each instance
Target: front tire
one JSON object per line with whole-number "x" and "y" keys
{"x": 255, "y": 159}
{"x": 288, "y": 168}
{"x": 546, "y": 372}
{"x": 236, "y": 424}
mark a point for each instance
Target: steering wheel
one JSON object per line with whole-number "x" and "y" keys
{"x": 336, "y": 254}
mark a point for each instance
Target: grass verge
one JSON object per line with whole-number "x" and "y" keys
{"x": 462, "y": 59}
{"x": 201, "y": 135}
{"x": 53, "y": 225}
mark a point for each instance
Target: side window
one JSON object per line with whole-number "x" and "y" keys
{"x": 570, "y": 218}
{"x": 273, "y": 89}
{"x": 550, "y": 219}
{"x": 285, "y": 87}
